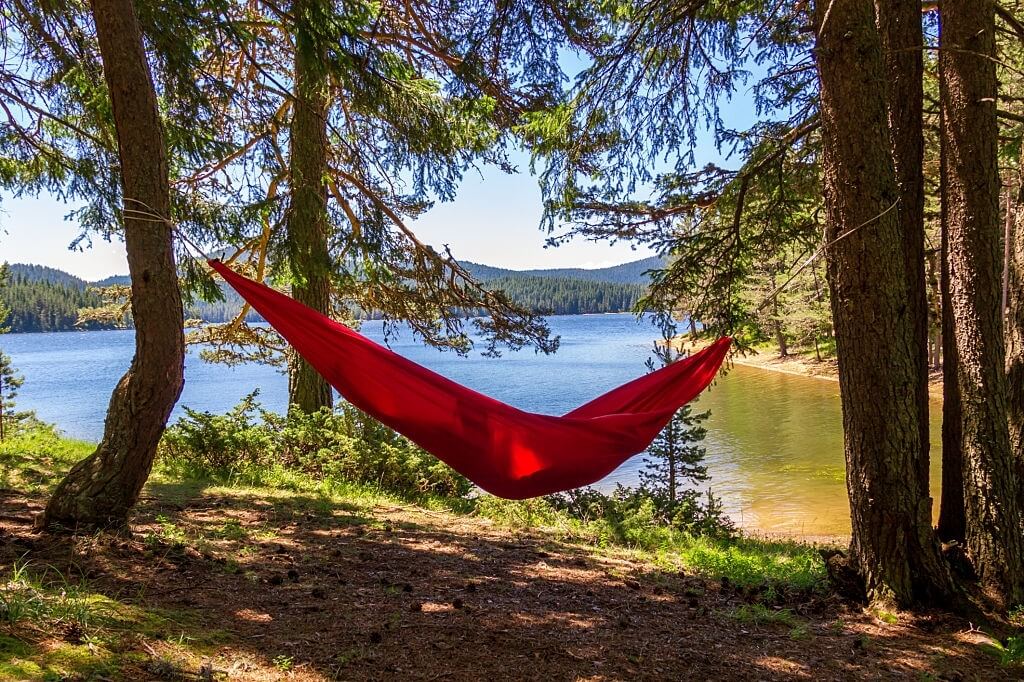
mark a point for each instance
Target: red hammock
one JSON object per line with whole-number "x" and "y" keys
{"x": 504, "y": 450}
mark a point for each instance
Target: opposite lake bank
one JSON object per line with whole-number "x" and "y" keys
{"x": 797, "y": 363}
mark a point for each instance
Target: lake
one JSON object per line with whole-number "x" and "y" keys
{"x": 774, "y": 443}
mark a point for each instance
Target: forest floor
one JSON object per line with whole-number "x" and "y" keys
{"x": 224, "y": 582}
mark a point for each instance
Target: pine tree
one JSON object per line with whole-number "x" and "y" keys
{"x": 5, "y": 310}
{"x": 101, "y": 489}
{"x": 358, "y": 118}
{"x": 674, "y": 462}
{"x": 83, "y": 91}
{"x": 10, "y": 381}
{"x": 971, "y": 143}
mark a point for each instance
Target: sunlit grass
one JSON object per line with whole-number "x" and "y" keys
{"x": 33, "y": 457}
{"x": 745, "y": 561}
{"x": 1010, "y": 652}
{"x": 751, "y": 562}
{"x": 54, "y": 627}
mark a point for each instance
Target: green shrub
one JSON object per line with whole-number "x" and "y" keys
{"x": 640, "y": 517}
{"x": 530, "y": 513}
{"x": 220, "y": 443}
{"x": 343, "y": 444}
{"x": 34, "y": 456}
{"x": 1010, "y": 653}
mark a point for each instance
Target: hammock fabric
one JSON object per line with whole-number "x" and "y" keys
{"x": 504, "y": 450}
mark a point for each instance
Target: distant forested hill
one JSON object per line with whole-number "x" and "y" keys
{"x": 568, "y": 296}
{"x": 113, "y": 280}
{"x": 627, "y": 273}
{"x": 47, "y": 299}
{"x": 42, "y": 273}
{"x": 44, "y": 299}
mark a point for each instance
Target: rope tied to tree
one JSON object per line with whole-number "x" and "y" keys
{"x": 772, "y": 295}
{"x": 149, "y": 214}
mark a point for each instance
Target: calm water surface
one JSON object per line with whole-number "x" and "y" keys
{"x": 774, "y": 440}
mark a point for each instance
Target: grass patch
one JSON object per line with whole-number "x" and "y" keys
{"x": 748, "y": 562}
{"x": 800, "y": 632}
{"x": 759, "y": 614}
{"x": 779, "y": 566}
{"x": 34, "y": 457}
{"x": 56, "y": 628}
{"x": 1010, "y": 652}
{"x": 887, "y": 617}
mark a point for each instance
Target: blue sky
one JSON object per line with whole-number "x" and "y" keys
{"x": 494, "y": 220}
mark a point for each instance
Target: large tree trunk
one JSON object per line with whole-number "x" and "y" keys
{"x": 1015, "y": 333}
{"x": 101, "y": 489}
{"x": 307, "y": 221}
{"x": 902, "y": 39}
{"x": 968, "y": 97}
{"x": 893, "y": 549}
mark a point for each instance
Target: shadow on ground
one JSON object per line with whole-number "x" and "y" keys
{"x": 291, "y": 586}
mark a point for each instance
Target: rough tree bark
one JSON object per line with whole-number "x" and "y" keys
{"x": 101, "y": 489}
{"x": 968, "y": 95}
{"x": 902, "y": 38}
{"x": 952, "y": 525}
{"x": 893, "y": 548}
{"x": 1015, "y": 334}
{"x": 307, "y": 221}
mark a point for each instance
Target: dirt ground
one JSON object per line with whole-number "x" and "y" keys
{"x": 249, "y": 587}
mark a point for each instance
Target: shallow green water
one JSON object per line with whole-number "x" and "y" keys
{"x": 775, "y": 443}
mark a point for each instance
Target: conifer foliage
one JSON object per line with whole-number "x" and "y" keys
{"x": 10, "y": 381}
{"x": 675, "y": 458}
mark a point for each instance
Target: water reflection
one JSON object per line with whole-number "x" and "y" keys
{"x": 775, "y": 445}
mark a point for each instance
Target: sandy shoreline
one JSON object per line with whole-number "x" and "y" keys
{"x": 799, "y": 364}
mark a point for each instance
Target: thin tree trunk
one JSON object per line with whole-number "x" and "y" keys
{"x": 818, "y": 295}
{"x": 952, "y": 525}
{"x": 780, "y": 336}
{"x": 672, "y": 457}
{"x": 992, "y": 502}
{"x": 307, "y": 220}
{"x": 934, "y": 311}
{"x": 101, "y": 489}
{"x": 893, "y": 548}
{"x": 902, "y": 38}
